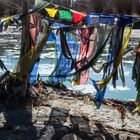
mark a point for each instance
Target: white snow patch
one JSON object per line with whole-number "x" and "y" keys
{"x": 120, "y": 88}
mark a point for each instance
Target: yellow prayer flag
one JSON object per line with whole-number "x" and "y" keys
{"x": 6, "y": 18}
{"x": 6, "y": 21}
{"x": 51, "y": 11}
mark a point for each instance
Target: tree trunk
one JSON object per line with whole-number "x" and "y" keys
{"x": 25, "y": 38}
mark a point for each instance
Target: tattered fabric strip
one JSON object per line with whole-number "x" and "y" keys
{"x": 5, "y": 22}
{"x": 99, "y": 97}
{"x": 116, "y": 42}
{"x": 33, "y": 74}
{"x": 100, "y": 93}
{"x": 136, "y": 77}
{"x": 86, "y": 52}
{"x": 25, "y": 63}
{"x": 35, "y": 24}
{"x": 64, "y": 62}
{"x": 126, "y": 36}
{"x": 94, "y": 59}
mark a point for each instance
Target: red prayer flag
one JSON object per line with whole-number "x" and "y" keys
{"x": 77, "y": 16}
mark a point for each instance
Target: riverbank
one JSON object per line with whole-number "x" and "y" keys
{"x": 56, "y": 113}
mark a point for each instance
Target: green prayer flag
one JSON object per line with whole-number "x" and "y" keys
{"x": 65, "y": 14}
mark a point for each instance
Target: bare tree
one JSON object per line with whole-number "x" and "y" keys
{"x": 126, "y": 7}
{"x": 99, "y": 6}
{"x": 11, "y": 7}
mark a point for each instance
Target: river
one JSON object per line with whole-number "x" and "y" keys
{"x": 9, "y": 54}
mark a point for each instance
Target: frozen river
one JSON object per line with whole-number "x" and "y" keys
{"x": 9, "y": 53}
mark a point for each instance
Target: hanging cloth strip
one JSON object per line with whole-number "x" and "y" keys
{"x": 5, "y": 22}
{"x": 136, "y": 77}
{"x": 126, "y": 36}
{"x": 127, "y": 31}
{"x": 33, "y": 76}
{"x": 64, "y": 46}
{"x": 86, "y": 52}
{"x": 123, "y": 21}
{"x": 117, "y": 36}
{"x": 100, "y": 93}
{"x": 116, "y": 41}
{"x": 33, "y": 72}
{"x": 107, "y": 30}
{"x": 65, "y": 56}
{"x": 1, "y": 26}
{"x": 102, "y": 33}
{"x": 25, "y": 64}
{"x": 121, "y": 73}
{"x": 35, "y": 25}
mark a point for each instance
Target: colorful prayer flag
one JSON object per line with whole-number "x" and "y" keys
{"x": 65, "y": 14}
{"x": 77, "y": 16}
{"x": 51, "y": 11}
